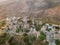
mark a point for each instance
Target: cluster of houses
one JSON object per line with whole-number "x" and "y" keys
{"x": 13, "y": 23}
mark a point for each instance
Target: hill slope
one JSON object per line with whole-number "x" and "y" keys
{"x": 47, "y": 10}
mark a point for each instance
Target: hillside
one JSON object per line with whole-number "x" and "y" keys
{"x": 47, "y": 10}
{"x": 54, "y": 14}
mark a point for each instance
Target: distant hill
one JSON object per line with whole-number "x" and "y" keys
{"x": 48, "y": 11}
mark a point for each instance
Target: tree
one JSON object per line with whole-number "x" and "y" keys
{"x": 42, "y": 36}
{"x": 37, "y": 27}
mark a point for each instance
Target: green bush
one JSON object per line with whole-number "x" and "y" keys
{"x": 30, "y": 22}
{"x": 42, "y": 36}
{"x": 25, "y": 34}
{"x": 18, "y": 30}
{"x": 32, "y": 38}
{"x": 3, "y": 38}
{"x": 57, "y": 42}
{"x": 37, "y": 27}
{"x": 10, "y": 40}
{"x": 26, "y": 39}
{"x": 42, "y": 33}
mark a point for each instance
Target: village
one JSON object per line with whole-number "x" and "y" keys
{"x": 19, "y": 26}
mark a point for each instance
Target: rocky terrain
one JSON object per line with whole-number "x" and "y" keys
{"x": 45, "y": 9}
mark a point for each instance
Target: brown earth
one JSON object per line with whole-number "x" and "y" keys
{"x": 16, "y": 8}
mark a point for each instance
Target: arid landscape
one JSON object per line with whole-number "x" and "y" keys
{"x": 23, "y": 8}
{"x": 29, "y": 22}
